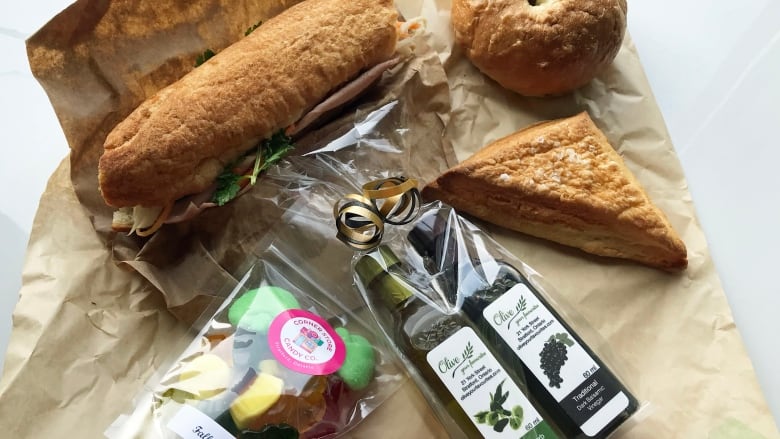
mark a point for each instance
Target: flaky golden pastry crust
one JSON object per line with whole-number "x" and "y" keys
{"x": 179, "y": 140}
{"x": 548, "y": 48}
{"x": 561, "y": 180}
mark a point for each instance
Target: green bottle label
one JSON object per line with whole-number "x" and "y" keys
{"x": 484, "y": 390}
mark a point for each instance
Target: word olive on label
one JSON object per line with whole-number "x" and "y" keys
{"x": 483, "y": 388}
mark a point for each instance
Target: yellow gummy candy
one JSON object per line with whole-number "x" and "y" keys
{"x": 259, "y": 397}
{"x": 271, "y": 367}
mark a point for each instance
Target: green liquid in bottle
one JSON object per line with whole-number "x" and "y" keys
{"x": 481, "y": 393}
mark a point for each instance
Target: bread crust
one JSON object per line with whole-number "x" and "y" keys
{"x": 180, "y": 139}
{"x": 562, "y": 181}
{"x": 549, "y": 48}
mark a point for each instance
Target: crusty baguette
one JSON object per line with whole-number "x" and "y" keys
{"x": 561, "y": 180}
{"x": 179, "y": 140}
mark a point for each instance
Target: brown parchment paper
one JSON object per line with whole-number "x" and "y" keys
{"x": 88, "y": 330}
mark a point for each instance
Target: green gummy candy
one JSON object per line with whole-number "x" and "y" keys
{"x": 358, "y": 368}
{"x": 256, "y": 309}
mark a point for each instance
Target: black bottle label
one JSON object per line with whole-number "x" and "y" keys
{"x": 548, "y": 350}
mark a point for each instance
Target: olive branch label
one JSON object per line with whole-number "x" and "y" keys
{"x": 521, "y": 305}
{"x": 467, "y": 354}
{"x": 497, "y": 416}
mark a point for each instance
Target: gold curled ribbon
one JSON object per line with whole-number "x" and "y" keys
{"x": 360, "y": 219}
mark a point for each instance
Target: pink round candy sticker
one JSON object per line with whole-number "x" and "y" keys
{"x": 306, "y": 343}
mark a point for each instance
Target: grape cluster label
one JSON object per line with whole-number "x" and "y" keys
{"x": 549, "y": 351}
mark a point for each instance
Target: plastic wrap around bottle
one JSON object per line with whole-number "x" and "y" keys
{"x": 483, "y": 340}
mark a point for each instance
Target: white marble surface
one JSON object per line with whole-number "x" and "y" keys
{"x": 714, "y": 69}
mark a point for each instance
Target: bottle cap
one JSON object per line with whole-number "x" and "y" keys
{"x": 374, "y": 267}
{"x": 425, "y": 234}
{"x": 435, "y": 237}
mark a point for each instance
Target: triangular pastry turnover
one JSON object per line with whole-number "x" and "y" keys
{"x": 561, "y": 180}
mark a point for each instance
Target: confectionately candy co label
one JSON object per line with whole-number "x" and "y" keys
{"x": 479, "y": 384}
{"x": 304, "y": 342}
{"x": 190, "y": 423}
{"x": 544, "y": 345}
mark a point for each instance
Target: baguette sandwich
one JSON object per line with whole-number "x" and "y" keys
{"x": 202, "y": 141}
{"x": 562, "y": 181}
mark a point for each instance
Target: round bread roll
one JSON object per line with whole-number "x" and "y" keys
{"x": 540, "y": 47}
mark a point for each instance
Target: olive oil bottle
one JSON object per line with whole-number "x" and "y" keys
{"x": 480, "y": 392}
{"x": 582, "y": 395}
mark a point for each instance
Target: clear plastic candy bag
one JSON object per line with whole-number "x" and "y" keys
{"x": 284, "y": 356}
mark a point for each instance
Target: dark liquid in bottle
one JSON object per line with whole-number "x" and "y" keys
{"x": 571, "y": 383}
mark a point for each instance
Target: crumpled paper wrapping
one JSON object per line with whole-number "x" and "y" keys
{"x": 91, "y": 323}
{"x": 98, "y": 63}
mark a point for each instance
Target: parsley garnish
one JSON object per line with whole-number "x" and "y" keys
{"x": 274, "y": 149}
{"x": 227, "y": 187}
{"x": 269, "y": 152}
{"x": 203, "y": 57}
{"x": 253, "y": 27}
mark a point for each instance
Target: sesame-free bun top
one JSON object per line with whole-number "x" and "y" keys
{"x": 541, "y": 47}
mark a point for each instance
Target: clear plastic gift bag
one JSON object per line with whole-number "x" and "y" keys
{"x": 284, "y": 356}
{"x": 486, "y": 338}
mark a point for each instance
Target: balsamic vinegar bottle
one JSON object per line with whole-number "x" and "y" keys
{"x": 583, "y": 397}
{"x": 480, "y": 392}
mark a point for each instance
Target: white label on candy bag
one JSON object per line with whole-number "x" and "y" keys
{"x": 190, "y": 423}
